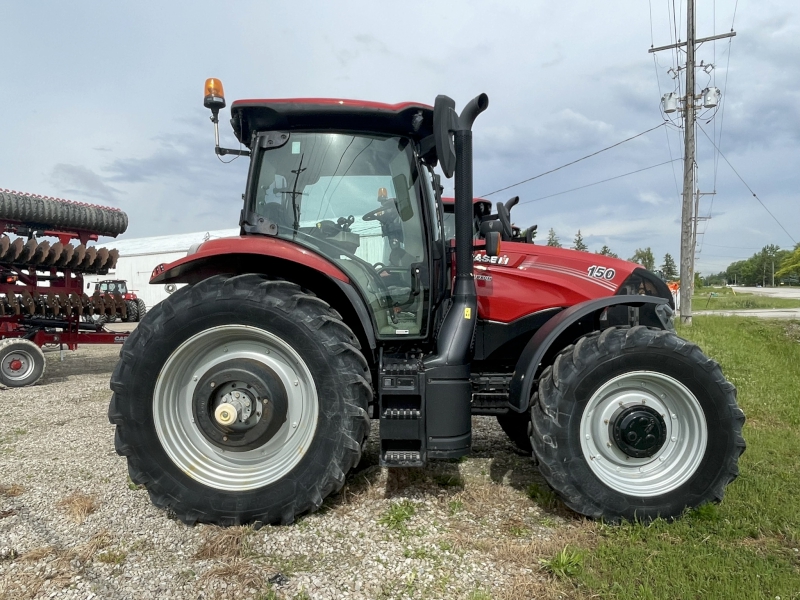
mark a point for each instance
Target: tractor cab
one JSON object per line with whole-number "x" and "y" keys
{"x": 112, "y": 287}
{"x": 360, "y": 196}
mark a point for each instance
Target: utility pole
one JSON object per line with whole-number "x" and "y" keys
{"x": 687, "y": 245}
{"x": 688, "y": 210}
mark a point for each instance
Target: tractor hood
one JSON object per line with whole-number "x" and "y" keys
{"x": 527, "y": 278}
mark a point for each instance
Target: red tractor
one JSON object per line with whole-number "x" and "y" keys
{"x": 355, "y": 292}
{"x": 136, "y": 308}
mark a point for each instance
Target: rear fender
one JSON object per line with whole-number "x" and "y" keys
{"x": 281, "y": 259}
{"x": 572, "y": 323}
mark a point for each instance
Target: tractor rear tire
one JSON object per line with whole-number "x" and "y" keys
{"x": 21, "y": 362}
{"x": 133, "y": 311}
{"x": 517, "y": 428}
{"x": 636, "y": 424}
{"x": 141, "y": 309}
{"x": 165, "y": 388}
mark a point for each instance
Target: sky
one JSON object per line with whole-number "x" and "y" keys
{"x": 102, "y": 103}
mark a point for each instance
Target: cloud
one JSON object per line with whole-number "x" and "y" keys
{"x": 82, "y": 181}
{"x": 651, "y": 198}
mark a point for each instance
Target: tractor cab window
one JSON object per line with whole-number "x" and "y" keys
{"x": 450, "y": 223}
{"x": 112, "y": 287}
{"x": 353, "y": 198}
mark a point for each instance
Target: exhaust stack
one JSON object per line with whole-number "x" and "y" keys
{"x": 453, "y": 134}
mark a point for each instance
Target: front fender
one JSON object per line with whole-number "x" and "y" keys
{"x": 226, "y": 255}
{"x": 277, "y": 258}
{"x": 567, "y": 326}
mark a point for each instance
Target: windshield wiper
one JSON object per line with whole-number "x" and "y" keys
{"x": 295, "y": 193}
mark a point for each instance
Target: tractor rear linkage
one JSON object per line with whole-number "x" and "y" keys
{"x": 42, "y": 298}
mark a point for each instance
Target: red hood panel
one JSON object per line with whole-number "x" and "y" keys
{"x": 527, "y": 278}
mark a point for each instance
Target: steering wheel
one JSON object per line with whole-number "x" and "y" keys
{"x": 504, "y": 216}
{"x": 386, "y": 214}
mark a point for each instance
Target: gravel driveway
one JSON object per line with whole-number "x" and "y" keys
{"x": 72, "y": 525}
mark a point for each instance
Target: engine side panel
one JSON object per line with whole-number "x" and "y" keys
{"x": 527, "y": 278}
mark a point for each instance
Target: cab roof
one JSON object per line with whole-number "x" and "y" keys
{"x": 330, "y": 114}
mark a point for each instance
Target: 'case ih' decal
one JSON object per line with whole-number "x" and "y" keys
{"x": 492, "y": 260}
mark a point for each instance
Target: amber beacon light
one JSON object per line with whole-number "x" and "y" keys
{"x": 214, "y": 100}
{"x": 214, "y": 94}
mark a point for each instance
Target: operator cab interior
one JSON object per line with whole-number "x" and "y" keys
{"x": 353, "y": 199}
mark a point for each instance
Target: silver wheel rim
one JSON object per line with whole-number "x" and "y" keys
{"x": 25, "y": 370}
{"x": 184, "y": 442}
{"x": 674, "y": 463}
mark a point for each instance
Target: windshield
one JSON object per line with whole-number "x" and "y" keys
{"x": 353, "y": 199}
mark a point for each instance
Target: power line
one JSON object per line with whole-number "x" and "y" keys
{"x": 599, "y": 182}
{"x": 573, "y": 162}
{"x": 748, "y": 187}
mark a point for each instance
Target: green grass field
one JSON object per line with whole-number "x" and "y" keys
{"x": 729, "y": 299}
{"x": 748, "y": 546}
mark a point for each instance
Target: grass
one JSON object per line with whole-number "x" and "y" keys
{"x": 729, "y": 299}
{"x": 542, "y": 495}
{"x": 230, "y": 542}
{"x": 78, "y": 506}
{"x": 399, "y": 512}
{"x": 748, "y": 546}
{"x": 112, "y": 557}
{"x": 11, "y": 490}
{"x": 566, "y": 564}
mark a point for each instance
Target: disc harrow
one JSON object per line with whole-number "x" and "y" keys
{"x": 33, "y": 254}
{"x": 42, "y": 297}
{"x": 43, "y": 214}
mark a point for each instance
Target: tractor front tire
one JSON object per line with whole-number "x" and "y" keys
{"x": 247, "y": 339}
{"x": 636, "y": 424}
{"x": 21, "y": 362}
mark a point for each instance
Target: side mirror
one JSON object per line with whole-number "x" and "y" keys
{"x": 445, "y": 120}
{"x": 492, "y": 243}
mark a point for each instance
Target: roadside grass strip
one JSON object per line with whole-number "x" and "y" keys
{"x": 728, "y": 299}
{"x": 749, "y": 545}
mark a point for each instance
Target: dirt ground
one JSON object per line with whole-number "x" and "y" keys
{"x": 72, "y": 525}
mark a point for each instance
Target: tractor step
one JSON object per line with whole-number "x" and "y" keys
{"x": 399, "y": 458}
{"x": 402, "y": 413}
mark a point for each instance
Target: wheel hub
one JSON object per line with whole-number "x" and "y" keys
{"x": 239, "y": 404}
{"x": 15, "y": 364}
{"x": 639, "y": 431}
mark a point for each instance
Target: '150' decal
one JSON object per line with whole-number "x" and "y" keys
{"x": 601, "y": 272}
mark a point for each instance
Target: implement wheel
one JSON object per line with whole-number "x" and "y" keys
{"x": 240, "y": 400}
{"x": 636, "y": 424}
{"x": 21, "y": 362}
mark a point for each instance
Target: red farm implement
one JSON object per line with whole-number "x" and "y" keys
{"x": 42, "y": 298}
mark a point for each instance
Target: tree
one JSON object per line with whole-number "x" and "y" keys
{"x": 669, "y": 270}
{"x": 606, "y": 251}
{"x": 552, "y": 239}
{"x": 578, "y": 243}
{"x": 790, "y": 266}
{"x": 758, "y": 268}
{"x": 644, "y": 257}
